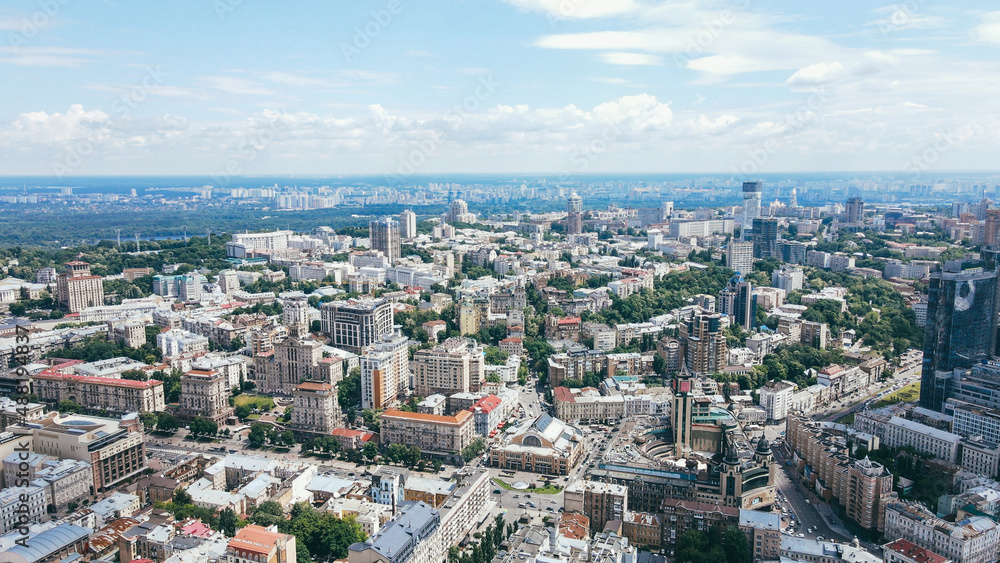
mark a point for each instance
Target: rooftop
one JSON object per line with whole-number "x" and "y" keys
{"x": 912, "y": 551}
{"x": 459, "y": 418}
{"x": 255, "y": 539}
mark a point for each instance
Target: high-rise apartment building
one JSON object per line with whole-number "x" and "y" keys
{"x": 385, "y": 372}
{"x": 574, "y": 215}
{"x": 855, "y": 211}
{"x": 280, "y": 371}
{"x": 991, "y": 235}
{"x": 455, "y": 366}
{"x": 868, "y": 485}
{"x": 956, "y": 335}
{"x": 316, "y": 408}
{"x": 739, "y": 256}
{"x": 76, "y": 289}
{"x": 788, "y": 279}
{"x": 765, "y": 238}
{"x": 295, "y": 316}
{"x": 385, "y": 237}
{"x": 458, "y": 212}
{"x": 408, "y": 224}
{"x": 205, "y": 393}
{"x": 357, "y": 323}
{"x": 752, "y": 192}
{"x": 705, "y": 348}
{"x": 739, "y": 302}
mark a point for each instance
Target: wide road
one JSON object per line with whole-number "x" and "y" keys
{"x": 859, "y": 401}
{"x": 806, "y": 514}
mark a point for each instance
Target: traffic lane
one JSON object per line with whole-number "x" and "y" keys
{"x": 806, "y": 514}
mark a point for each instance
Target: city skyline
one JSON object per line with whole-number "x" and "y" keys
{"x": 516, "y": 86}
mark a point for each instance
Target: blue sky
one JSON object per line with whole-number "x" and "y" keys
{"x": 542, "y": 86}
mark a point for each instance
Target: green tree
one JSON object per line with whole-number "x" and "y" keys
{"x": 204, "y": 427}
{"x": 242, "y": 412}
{"x": 287, "y": 438}
{"x": 349, "y": 389}
{"x": 476, "y": 447}
{"x": 148, "y": 420}
{"x": 258, "y": 435}
{"x": 166, "y": 422}
{"x": 228, "y": 522}
{"x": 69, "y": 407}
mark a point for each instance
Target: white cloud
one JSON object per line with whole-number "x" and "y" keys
{"x": 47, "y": 56}
{"x": 577, "y": 9}
{"x": 235, "y": 85}
{"x": 989, "y": 30}
{"x": 630, "y": 59}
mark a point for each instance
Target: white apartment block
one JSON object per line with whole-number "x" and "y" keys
{"x": 925, "y": 439}
{"x": 14, "y": 501}
{"x": 176, "y": 342}
{"x": 971, "y": 540}
{"x": 776, "y": 398}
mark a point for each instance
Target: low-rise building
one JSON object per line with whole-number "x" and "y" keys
{"x": 116, "y": 396}
{"x": 543, "y": 445}
{"x": 433, "y": 434}
{"x": 971, "y": 540}
{"x": 256, "y": 544}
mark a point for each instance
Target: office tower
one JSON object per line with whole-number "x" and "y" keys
{"x": 705, "y": 348}
{"x": 992, "y": 234}
{"x": 408, "y": 224}
{"x": 765, "y": 238}
{"x": 295, "y": 316}
{"x": 385, "y": 237}
{"x": 457, "y": 211}
{"x": 751, "y": 205}
{"x": 738, "y": 301}
{"x": 959, "y": 325}
{"x": 574, "y": 215}
{"x": 794, "y": 202}
{"x": 385, "y": 372}
{"x": 739, "y": 256}
{"x": 357, "y": 323}
{"x": 855, "y": 213}
{"x": 76, "y": 289}
{"x": 683, "y": 389}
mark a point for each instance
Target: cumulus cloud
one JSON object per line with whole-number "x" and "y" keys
{"x": 989, "y": 30}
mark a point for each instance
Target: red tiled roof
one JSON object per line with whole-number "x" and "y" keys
{"x": 255, "y": 539}
{"x": 563, "y": 394}
{"x": 55, "y": 375}
{"x": 569, "y": 320}
{"x": 487, "y": 403}
{"x": 914, "y": 552}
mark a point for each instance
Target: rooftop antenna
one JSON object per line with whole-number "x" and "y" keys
{"x": 119, "y": 233}
{"x": 137, "y": 242}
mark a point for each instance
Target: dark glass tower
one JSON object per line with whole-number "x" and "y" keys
{"x": 960, "y": 324}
